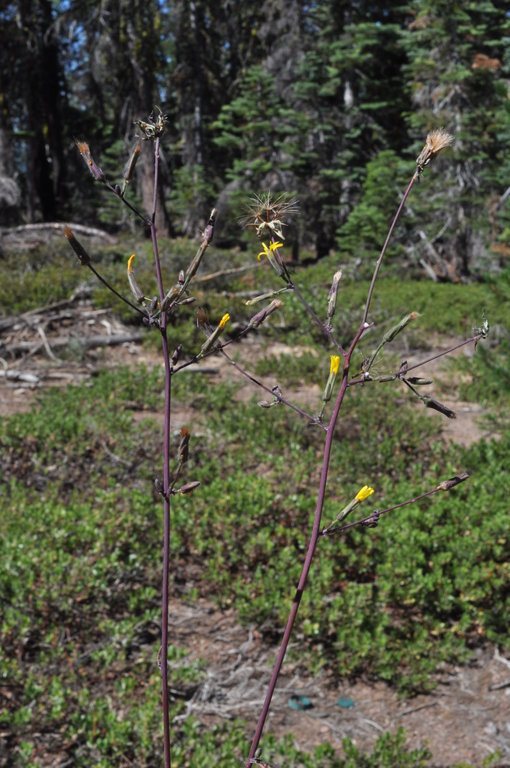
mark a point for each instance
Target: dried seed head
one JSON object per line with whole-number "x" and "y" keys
{"x": 268, "y": 214}
{"x": 453, "y": 481}
{"x": 439, "y": 139}
{"x": 155, "y": 126}
{"x": 436, "y": 141}
{"x": 430, "y": 402}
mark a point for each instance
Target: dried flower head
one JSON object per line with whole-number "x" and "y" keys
{"x": 155, "y": 127}
{"x": 436, "y": 141}
{"x": 267, "y": 213}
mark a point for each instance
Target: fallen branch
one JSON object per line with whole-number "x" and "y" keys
{"x": 22, "y": 235}
{"x": 22, "y": 347}
{"x": 14, "y": 375}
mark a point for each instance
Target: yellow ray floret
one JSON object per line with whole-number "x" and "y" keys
{"x": 364, "y": 493}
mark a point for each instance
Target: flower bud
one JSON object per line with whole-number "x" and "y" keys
{"x": 135, "y": 289}
{"x": 188, "y": 488}
{"x": 332, "y": 296}
{"x": 183, "y": 450}
{"x": 77, "y": 247}
{"x": 209, "y": 343}
{"x": 94, "y": 169}
{"x": 259, "y": 318}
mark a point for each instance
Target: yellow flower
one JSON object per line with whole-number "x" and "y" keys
{"x": 267, "y": 251}
{"x": 130, "y": 263}
{"x": 364, "y": 493}
{"x": 224, "y": 320}
{"x": 335, "y": 364}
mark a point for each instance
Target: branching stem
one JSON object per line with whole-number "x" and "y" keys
{"x": 314, "y": 316}
{"x": 316, "y": 532}
{"x": 278, "y": 396}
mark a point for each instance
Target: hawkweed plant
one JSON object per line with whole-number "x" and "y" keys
{"x": 267, "y": 216}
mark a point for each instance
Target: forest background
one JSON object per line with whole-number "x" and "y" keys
{"x": 329, "y": 102}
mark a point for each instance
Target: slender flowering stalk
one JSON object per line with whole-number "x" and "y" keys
{"x": 373, "y": 517}
{"x": 366, "y": 491}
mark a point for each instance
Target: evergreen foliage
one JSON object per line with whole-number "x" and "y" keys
{"x": 290, "y": 96}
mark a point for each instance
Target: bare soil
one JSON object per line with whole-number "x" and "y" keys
{"x": 466, "y": 718}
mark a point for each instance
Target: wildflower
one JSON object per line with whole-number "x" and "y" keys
{"x": 269, "y": 252}
{"x": 224, "y": 320}
{"x": 335, "y": 364}
{"x": 436, "y": 141}
{"x": 135, "y": 289}
{"x": 364, "y": 493}
{"x": 328, "y": 389}
{"x": 209, "y": 343}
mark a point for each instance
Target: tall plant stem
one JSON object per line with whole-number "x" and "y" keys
{"x": 309, "y": 554}
{"x": 166, "y": 475}
{"x": 166, "y": 550}
{"x": 385, "y": 246}
{"x": 322, "y": 485}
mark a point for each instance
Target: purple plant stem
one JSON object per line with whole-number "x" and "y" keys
{"x": 166, "y": 476}
{"x": 280, "y": 398}
{"x": 393, "y": 376}
{"x": 310, "y": 552}
{"x": 323, "y": 482}
{"x": 385, "y": 246}
{"x": 112, "y": 289}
